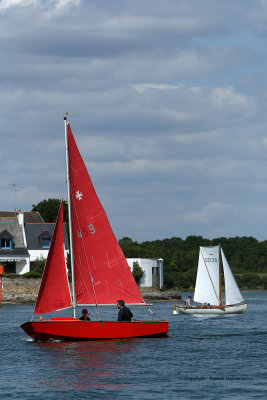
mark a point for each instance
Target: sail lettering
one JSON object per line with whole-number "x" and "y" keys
{"x": 209, "y": 259}
{"x": 85, "y": 231}
{"x": 91, "y": 228}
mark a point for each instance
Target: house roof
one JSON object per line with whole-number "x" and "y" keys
{"x": 32, "y": 217}
{"x": 15, "y": 253}
{"x": 29, "y": 216}
{"x": 11, "y": 225}
{"x": 34, "y": 231}
{"x": 8, "y": 214}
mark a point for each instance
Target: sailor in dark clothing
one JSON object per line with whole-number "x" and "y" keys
{"x": 85, "y": 316}
{"x": 125, "y": 313}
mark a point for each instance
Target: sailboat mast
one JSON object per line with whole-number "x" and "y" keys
{"x": 220, "y": 284}
{"x": 70, "y": 222}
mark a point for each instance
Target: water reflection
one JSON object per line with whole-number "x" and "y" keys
{"x": 81, "y": 365}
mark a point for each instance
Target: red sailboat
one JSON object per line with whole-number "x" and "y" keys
{"x": 100, "y": 272}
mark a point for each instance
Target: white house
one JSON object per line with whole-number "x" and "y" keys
{"x": 153, "y": 271}
{"x": 24, "y": 237}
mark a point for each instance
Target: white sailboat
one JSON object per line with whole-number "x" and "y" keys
{"x": 208, "y": 286}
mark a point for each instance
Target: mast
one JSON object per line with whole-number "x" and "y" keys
{"x": 220, "y": 283}
{"x": 70, "y": 222}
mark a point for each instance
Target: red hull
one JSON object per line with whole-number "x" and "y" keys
{"x": 75, "y": 330}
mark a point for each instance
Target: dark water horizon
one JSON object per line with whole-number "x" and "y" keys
{"x": 218, "y": 357}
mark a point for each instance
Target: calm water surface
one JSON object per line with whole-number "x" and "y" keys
{"x": 220, "y": 357}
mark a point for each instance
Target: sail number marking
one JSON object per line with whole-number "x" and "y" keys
{"x": 84, "y": 231}
{"x": 210, "y": 259}
{"x": 91, "y": 228}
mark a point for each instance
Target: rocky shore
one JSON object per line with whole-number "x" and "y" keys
{"x": 22, "y": 290}
{"x": 160, "y": 295}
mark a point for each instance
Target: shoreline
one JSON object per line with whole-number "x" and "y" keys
{"x": 155, "y": 297}
{"x": 21, "y": 290}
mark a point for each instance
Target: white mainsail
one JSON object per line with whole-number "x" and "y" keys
{"x": 207, "y": 287}
{"x": 232, "y": 292}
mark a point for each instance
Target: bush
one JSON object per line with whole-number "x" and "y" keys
{"x": 137, "y": 272}
{"x": 251, "y": 281}
{"x": 38, "y": 265}
{"x": 32, "y": 274}
{"x": 12, "y": 276}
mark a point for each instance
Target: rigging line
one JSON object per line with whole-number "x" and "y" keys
{"x": 87, "y": 263}
{"x": 210, "y": 276}
{"x": 67, "y": 271}
{"x": 152, "y": 313}
{"x": 220, "y": 286}
{"x": 149, "y": 309}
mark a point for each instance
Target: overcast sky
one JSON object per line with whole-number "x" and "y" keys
{"x": 166, "y": 100}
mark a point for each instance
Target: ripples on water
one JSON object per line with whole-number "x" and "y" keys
{"x": 221, "y": 357}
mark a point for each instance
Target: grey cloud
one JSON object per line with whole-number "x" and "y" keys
{"x": 167, "y": 103}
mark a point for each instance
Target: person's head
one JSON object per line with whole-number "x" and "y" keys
{"x": 84, "y": 312}
{"x": 190, "y": 297}
{"x": 120, "y": 303}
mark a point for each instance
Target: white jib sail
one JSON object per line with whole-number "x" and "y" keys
{"x": 232, "y": 292}
{"x": 207, "y": 283}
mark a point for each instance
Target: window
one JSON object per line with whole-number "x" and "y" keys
{"x": 6, "y": 243}
{"x": 45, "y": 242}
{"x": 155, "y": 270}
{"x": 9, "y": 267}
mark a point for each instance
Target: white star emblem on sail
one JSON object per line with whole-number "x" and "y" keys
{"x": 79, "y": 195}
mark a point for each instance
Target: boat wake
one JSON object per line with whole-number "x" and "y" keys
{"x": 202, "y": 316}
{"x": 30, "y": 340}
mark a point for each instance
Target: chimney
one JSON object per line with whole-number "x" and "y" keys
{"x": 21, "y": 217}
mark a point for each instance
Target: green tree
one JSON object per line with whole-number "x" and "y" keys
{"x": 245, "y": 256}
{"x": 48, "y": 209}
{"x": 137, "y": 272}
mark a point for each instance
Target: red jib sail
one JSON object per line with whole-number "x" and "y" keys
{"x": 54, "y": 293}
{"x": 102, "y": 275}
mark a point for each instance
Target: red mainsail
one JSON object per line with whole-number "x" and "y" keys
{"x": 54, "y": 293}
{"x": 102, "y": 274}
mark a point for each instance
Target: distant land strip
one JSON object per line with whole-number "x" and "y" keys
{"x": 21, "y": 290}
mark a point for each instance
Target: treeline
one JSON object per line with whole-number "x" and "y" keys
{"x": 246, "y": 256}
